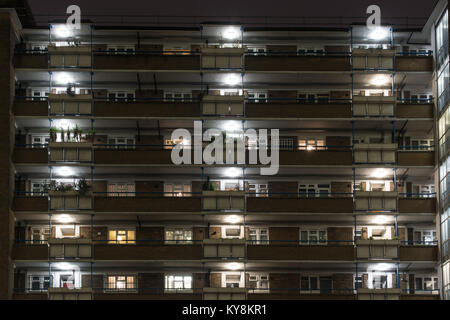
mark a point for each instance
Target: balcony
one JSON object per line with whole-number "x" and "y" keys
{"x": 377, "y": 249}
{"x": 288, "y": 250}
{"x": 315, "y": 158}
{"x": 147, "y": 250}
{"x": 30, "y": 108}
{"x": 292, "y": 109}
{"x": 224, "y": 293}
{"x": 415, "y": 158}
{"x": 144, "y": 60}
{"x": 29, "y": 204}
{"x": 70, "y": 249}
{"x": 28, "y": 60}
{"x": 223, "y": 249}
{"x": 223, "y": 200}
{"x": 373, "y": 106}
{"x": 376, "y": 201}
{"x": 215, "y": 105}
{"x": 64, "y": 104}
{"x": 70, "y": 200}
{"x": 23, "y": 154}
{"x": 300, "y": 205}
{"x": 70, "y": 57}
{"x": 70, "y": 152}
{"x": 140, "y": 156}
{"x": 147, "y": 204}
{"x": 418, "y": 253}
{"x": 414, "y": 64}
{"x": 146, "y": 108}
{"x": 417, "y": 205}
{"x": 373, "y": 59}
{"x": 414, "y": 111}
{"x": 213, "y": 58}
{"x": 285, "y": 62}
{"x": 38, "y": 252}
{"x": 69, "y": 294}
{"x": 380, "y": 153}
{"x": 379, "y": 294}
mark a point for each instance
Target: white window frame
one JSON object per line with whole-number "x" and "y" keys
{"x": 225, "y": 282}
{"x": 424, "y": 190}
{"x": 422, "y": 232}
{"x": 187, "y": 281}
{"x": 121, "y": 95}
{"x": 41, "y": 232}
{"x": 257, "y": 232}
{"x": 310, "y": 233}
{"x": 433, "y": 279}
{"x": 182, "y": 96}
{"x": 320, "y": 190}
{"x": 121, "y": 49}
{"x": 118, "y": 144}
{"x": 224, "y": 232}
{"x": 42, "y": 280}
{"x": 257, "y": 96}
{"x": 259, "y": 279}
{"x": 260, "y": 190}
{"x": 186, "y": 239}
{"x": 43, "y": 140}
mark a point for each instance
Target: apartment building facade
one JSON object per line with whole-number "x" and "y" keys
{"x": 94, "y": 208}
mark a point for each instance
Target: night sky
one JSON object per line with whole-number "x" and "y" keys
{"x": 310, "y": 8}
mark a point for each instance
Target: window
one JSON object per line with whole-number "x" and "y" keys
{"x": 177, "y": 190}
{"x": 38, "y": 283}
{"x": 311, "y": 144}
{"x": 232, "y": 232}
{"x": 178, "y": 282}
{"x": 426, "y": 237}
{"x": 178, "y": 236}
{"x": 314, "y": 190}
{"x": 67, "y": 281}
{"x": 121, "y": 96}
{"x": 256, "y": 50}
{"x": 39, "y": 94}
{"x": 122, "y": 236}
{"x": 258, "y": 190}
{"x": 121, "y": 142}
{"x": 257, "y": 97}
{"x": 426, "y": 283}
{"x": 422, "y": 144}
{"x": 177, "y": 96}
{"x": 121, "y": 283}
{"x": 309, "y": 283}
{"x": 121, "y": 190}
{"x": 313, "y": 237}
{"x": 40, "y": 234}
{"x": 39, "y": 188}
{"x": 258, "y": 236}
{"x": 232, "y": 280}
{"x": 169, "y": 144}
{"x": 423, "y": 191}
{"x": 258, "y": 283}
{"x": 125, "y": 49}
{"x": 40, "y": 141}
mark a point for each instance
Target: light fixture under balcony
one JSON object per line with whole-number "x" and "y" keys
{"x": 231, "y": 33}
{"x": 380, "y": 173}
{"x": 64, "y": 171}
{"x": 63, "y": 266}
{"x": 234, "y": 266}
{"x": 380, "y": 220}
{"x": 232, "y": 79}
{"x": 63, "y": 78}
{"x": 233, "y": 172}
{"x": 379, "y": 33}
{"x": 62, "y": 31}
{"x": 380, "y": 80}
{"x": 64, "y": 218}
{"x": 233, "y": 219}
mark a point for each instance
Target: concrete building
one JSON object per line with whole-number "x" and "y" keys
{"x": 92, "y": 206}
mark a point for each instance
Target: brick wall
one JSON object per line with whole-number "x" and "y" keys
{"x": 97, "y": 282}
{"x": 288, "y": 187}
{"x": 280, "y": 233}
{"x": 150, "y": 186}
{"x": 342, "y": 283}
{"x": 278, "y": 282}
{"x": 150, "y": 233}
{"x": 99, "y": 233}
{"x": 342, "y": 236}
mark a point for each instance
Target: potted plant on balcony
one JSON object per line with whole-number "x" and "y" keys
{"x": 61, "y": 132}
{"x": 53, "y": 132}
{"x": 91, "y": 134}
{"x": 83, "y": 187}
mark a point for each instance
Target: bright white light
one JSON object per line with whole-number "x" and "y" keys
{"x": 231, "y": 33}
{"x": 382, "y": 267}
{"x": 380, "y": 80}
{"x": 379, "y": 33}
{"x": 64, "y": 266}
{"x": 62, "y": 123}
{"x": 63, "y": 78}
{"x": 380, "y": 173}
{"x": 380, "y": 220}
{"x": 232, "y": 79}
{"x": 61, "y": 31}
{"x": 233, "y": 172}
{"x": 234, "y": 266}
{"x": 233, "y": 219}
{"x": 64, "y": 218}
{"x": 232, "y": 126}
{"x": 64, "y": 171}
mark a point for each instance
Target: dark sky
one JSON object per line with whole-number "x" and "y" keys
{"x": 316, "y": 8}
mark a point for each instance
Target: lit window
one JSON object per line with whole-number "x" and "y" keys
{"x": 178, "y": 236}
{"x": 122, "y": 236}
{"x": 121, "y": 190}
{"x": 178, "y": 282}
{"x": 313, "y": 237}
{"x": 121, "y": 283}
{"x": 177, "y": 190}
{"x": 259, "y": 236}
